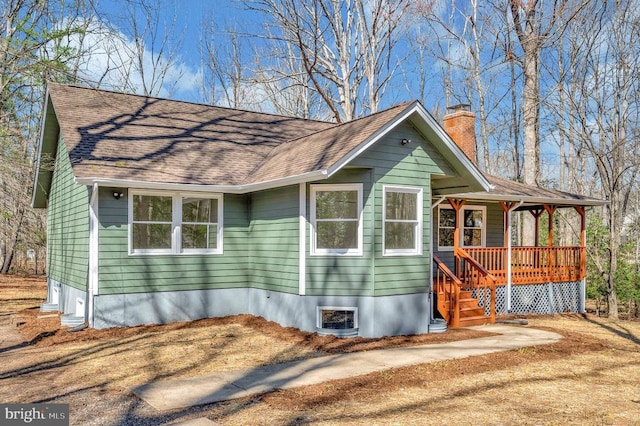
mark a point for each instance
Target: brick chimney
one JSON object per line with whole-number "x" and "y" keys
{"x": 460, "y": 125}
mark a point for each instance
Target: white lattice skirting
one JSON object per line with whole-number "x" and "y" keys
{"x": 549, "y": 298}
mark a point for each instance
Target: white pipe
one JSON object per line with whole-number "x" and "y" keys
{"x": 509, "y": 280}
{"x": 93, "y": 253}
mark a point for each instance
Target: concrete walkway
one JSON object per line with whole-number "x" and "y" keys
{"x": 172, "y": 394}
{"x": 10, "y": 338}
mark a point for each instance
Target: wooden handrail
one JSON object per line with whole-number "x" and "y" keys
{"x": 446, "y": 270}
{"x": 447, "y": 285}
{"x": 462, "y": 253}
{"x": 531, "y": 265}
{"x": 476, "y": 277}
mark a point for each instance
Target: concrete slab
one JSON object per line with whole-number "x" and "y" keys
{"x": 172, "y": 394}
{"x": 202, "y": 421}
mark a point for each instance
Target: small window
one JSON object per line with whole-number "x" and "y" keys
{"x": 446, "y": 226}
{"x": 152, "y": 223}
{"x": 472, "y": 226}
{"x": 336, "y": 223}
{"x": 333, "y": 318}
{"x": 402, "y": 217}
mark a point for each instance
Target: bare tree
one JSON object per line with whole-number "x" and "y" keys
{"x": 287, "y": 87}
{"x": 150, "y": 48}
{"x": 462, "y": 31}
{"x": 537, "y": 25}
{"x": 345, "y": 47}
{"x": 605, "y": 117}
{"x": 31, "y": 52}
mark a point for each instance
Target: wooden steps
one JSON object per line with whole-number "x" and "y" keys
{"x": 470, "y": 311}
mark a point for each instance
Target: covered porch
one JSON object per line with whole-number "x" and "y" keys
{"x": 479, "y": 282}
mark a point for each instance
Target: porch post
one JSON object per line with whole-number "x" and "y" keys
{"x": 507, "y": 208}
{"x": 457, "y": 205}
{"x": 551, "y": 263}
{"x": 550, "y": 211}
{"x": 583, "y": 258}
{"x": 583, "y": 240}
{"x": 536, "y": 214}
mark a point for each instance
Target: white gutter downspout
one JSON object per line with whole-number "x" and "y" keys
{"x": 509, "y": 280}
{"x": 433, "y": 206}
{"x": 93, "y": 253}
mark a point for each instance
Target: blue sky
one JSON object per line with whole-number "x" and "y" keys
{"x": 189, "y": 16}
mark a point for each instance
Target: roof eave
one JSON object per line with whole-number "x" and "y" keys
{"x": 227, "y": 189}
{"x": 416, "y": 108}
{"x": 528, "y": 200}
{"x": 36, "y": 174}
{"x": 337, "y": 166}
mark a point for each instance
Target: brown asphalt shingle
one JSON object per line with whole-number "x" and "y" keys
{"x": 112, "y": 135}
{"x": 130, "y": 137}
{"x": 510, "y": 189}
{"x": 323, "y": 149}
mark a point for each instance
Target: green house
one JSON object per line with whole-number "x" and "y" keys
{"x": 163, "y": 211}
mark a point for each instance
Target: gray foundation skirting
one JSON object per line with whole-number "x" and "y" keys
{"x": 377, "y": 316}
{"x": 548, "y": 298}
{"x": 67, "y": 296}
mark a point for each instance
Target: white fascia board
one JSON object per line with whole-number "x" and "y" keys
{"x": 527, "y": 200}
{"x": 453, "y": 147}
{"x": 36, "y": 173}
{"x": 372, "y": 139}
{"x": 226, "y": 189}
{"x": 416, "y": 107}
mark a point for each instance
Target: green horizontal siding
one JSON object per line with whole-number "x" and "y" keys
{"x": 408, "y": 165}
{"x": 274, "y": 242}
{"x": 495, "y": 225}
{"x": 67, "y": 225}
{"x": 345, "y": 275}
{"x": 121, "y": 273}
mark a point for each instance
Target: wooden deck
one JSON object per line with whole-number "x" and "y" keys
{"x": 479, "y": 270}
{"x": 532, "y": 265}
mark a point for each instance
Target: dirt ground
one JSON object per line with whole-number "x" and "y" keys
{"x": 592, "y": 376}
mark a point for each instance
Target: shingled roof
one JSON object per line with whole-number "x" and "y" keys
{"x": 531, "y": 196}
{"x": 136, "y": 138}
{"x": 116, "y": 136}
{"x": 123, "y": 140}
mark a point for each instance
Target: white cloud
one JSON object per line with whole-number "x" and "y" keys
{"x": 109, "y": 59}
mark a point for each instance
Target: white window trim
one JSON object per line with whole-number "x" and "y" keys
{"x": 319, "y": 310}
{"x": 314, "y": 251}
{"x": 417, "y": 251}
{"x": 459, "y": 219}
{"x": 176, "y": 223}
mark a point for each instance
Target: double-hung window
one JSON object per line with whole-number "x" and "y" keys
{"x": 472, "y": 226}
{"x": 402, "y": 220}
{"x": 175, "y": 223}
{"x": 336, "y": 219}
{"x": 446, "y": 226}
